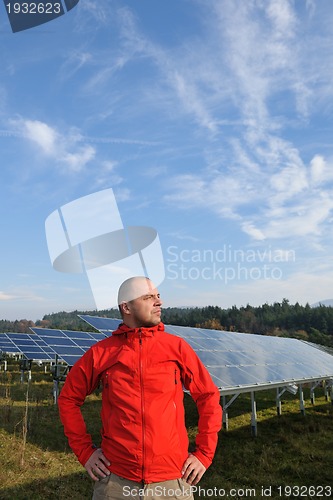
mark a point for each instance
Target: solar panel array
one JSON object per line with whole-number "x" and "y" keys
{"x": 30, "y": 346}
{"x": 68, "y": 345}
{"x": 236, "y": 361}
{"x": 241, "y": 360}
{"x": 45, "y": 344}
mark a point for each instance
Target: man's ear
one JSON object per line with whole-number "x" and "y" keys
{"x": 125, "y": 308}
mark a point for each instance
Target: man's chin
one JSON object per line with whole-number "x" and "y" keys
{"x": 153, "y": 322}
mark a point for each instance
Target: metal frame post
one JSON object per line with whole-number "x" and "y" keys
{"x": 253, "y": 415}
{"x": 278, "y": 401}
{"x": 55, "y": 390}
{"x": 326, "y": 390}
{"x": 301, "y": 400}
{"x": 312, "y": 396}
{"x": 225, "y": 419}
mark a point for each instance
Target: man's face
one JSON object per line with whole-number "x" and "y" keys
{"x": 145, "y": 310}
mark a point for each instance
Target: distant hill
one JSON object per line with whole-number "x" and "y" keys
{"x": 326, "y": 302}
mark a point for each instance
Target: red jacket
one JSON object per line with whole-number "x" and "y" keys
{"x": 143, "y": 372}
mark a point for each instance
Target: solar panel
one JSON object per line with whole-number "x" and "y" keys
{"x": 45, "y": 344}
{"x": 27, "y": 345}
{"x": 242, "y": 361}
{"x": 105, "y": 325}
{"x": 7, "y": 346}
{"x": 249, "y": 360}
{"x": 68, "y": 345}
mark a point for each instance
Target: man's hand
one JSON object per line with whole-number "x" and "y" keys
{"x": 96, "y": 465}
{"x": 192, "y": 470}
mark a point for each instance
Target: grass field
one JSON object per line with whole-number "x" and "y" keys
{"x": 292, "y": 456}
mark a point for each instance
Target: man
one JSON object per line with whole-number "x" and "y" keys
{"x": 144, "y": 449}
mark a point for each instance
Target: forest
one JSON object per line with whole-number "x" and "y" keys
{"x": 313, "y": 324}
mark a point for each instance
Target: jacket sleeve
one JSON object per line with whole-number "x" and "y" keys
{"x": 80, "y": 382}
{"x": 206, "y": 395}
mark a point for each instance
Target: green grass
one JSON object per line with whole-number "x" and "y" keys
{"x": 289, "y": 450}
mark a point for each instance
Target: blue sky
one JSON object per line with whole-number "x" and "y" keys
{"x": 211, "y": 122}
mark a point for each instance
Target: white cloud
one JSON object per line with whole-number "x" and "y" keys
{"x": 182, "y": 235}
{"x": 282, "y": 204}
{"x": 321, "y": 170}
{"x": 282, "y": 17}
{"x": 318, "y": 167}
{"x": 63, "y": 148}
{"x": 20, "y": 293}
{"x": 302, "y": 219}
{"x": 155, "y": 171}
{"x": 74, "y": 62}
{"x": 6, "y": 296}
{"x": 122, "y": 194}
{"x": 252, "y": 231}
{"x": 108, "y": 175}
{"x": 289, "y": 181}
{"x": 175, "y": 81}
{"x": 109, "y": 165}
{"x": 257, "y": 177}
{"x": 76, "y": 161}
{"x": 92, "y": 15}
{"x": 41, "y": 134}
{"x": 192, "y": 101}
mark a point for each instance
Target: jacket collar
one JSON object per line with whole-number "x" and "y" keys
{"x": 136, "y": 332}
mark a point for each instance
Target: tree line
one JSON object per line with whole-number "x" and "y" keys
{"x": 314, "y": 324}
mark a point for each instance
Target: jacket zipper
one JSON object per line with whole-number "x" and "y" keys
{"x": 176, "y": 382}
{"x": 142, "y": 407}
